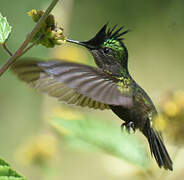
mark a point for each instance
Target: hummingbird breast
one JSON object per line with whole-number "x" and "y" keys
{"x": 130, "y": 115}
{"x": 143, "y": 109}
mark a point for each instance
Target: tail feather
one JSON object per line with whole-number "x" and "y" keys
{"x": 157, "y": 148}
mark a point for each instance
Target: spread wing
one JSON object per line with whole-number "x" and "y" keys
{"x": 73, "y": 83}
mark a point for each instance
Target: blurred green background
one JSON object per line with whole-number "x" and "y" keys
{"x": 156, "y": 53}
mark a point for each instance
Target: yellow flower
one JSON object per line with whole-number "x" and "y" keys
{"x": 49, "y": 34}
{"x": 37, "y": 150}
{"x": 171, "y": 108}
{"x": 32, "y": 12}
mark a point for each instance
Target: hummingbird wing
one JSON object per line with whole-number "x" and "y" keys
{"x": 73, "y": 83}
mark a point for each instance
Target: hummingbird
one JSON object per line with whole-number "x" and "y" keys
{"x": 107, "y": 86}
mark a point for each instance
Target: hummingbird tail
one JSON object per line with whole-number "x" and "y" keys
{"x": 157, "y": 147}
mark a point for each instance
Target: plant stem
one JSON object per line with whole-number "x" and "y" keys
{"x": 6, "y": 49}
{"x": 19, "y": 52}
{"x": 30, "y": 46}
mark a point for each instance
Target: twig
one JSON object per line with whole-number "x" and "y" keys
{"x": 6, "y": 49}
{"x": 18, "y": 53}
{"x": 30, "y": 46}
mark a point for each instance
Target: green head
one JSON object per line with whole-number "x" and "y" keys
{"x": 107, "y": 47}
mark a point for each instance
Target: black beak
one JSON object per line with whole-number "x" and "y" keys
{"x": 95, "y": 42}
{"x": 85, "y": 44}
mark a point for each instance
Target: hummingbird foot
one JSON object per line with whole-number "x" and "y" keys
{"x": 129, "y": 126}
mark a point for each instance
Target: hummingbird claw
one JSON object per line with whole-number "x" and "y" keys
{"x": 129, "y": 126}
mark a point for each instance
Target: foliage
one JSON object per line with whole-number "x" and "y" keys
{"x": 95, "y": 134}
{"x": 6, "y": 173}
{"x": 5, "y": 29}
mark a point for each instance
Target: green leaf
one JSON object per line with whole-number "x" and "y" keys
{"x": 5, "y": 29}
{"x": 104, "y": 136}
{"x": 6, "y": 173}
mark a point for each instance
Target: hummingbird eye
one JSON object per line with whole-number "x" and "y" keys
{"x": 106, "y": 50}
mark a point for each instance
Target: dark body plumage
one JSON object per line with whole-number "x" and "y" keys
{"x": 108, "y": 86}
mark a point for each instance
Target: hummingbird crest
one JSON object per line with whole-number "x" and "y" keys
{"x": 107, "y": 36}
{"x": 109, "y": 50}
